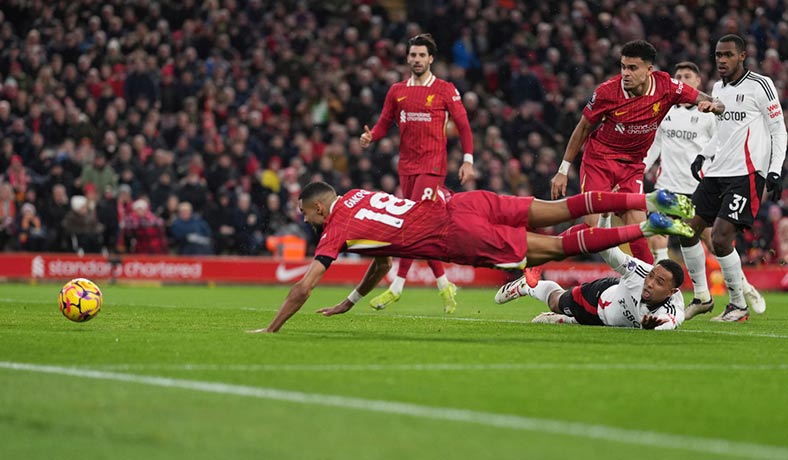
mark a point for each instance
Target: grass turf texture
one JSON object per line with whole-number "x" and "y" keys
{"x": 413, "y": 383}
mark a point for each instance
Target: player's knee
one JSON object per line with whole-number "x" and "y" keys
{"x": 722, "y": 242}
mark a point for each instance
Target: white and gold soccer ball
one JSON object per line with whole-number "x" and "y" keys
{"x": 80, "y": 300}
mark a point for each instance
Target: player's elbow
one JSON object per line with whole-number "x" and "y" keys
{"x": 300, "y": 291}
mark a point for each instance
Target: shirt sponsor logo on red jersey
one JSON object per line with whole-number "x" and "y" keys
{"x": 424, "y": 117}
{"x": 636, "y": 129}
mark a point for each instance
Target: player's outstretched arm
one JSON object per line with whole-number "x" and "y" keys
{"x": 376, "y": 271}
{"x": 296, "y": 298}
{"x": 707, "y": 103}
{"x": 579, "y": 136}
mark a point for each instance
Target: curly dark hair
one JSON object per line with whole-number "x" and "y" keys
{"x": 640, "y": 48}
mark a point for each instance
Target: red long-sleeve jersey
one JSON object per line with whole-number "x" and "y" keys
{"x": 421, "y": 112}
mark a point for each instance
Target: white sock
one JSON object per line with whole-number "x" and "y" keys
{"x": 397, "y": 285}
{"x": 660, "y": 254}
{"x": 695, "y": 259}
{"x": 734, "y": 278}
{"x": 442, "y": 281}
{"x": 542, "y": 290}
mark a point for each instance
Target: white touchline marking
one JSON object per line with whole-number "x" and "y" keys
{"x": 714, "y": 446}
{"x": 437, "y": 367}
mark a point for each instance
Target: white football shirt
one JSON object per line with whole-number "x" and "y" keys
{"x": 620, "y": 305}
{"x": 681, "y": 137}
{"x": 751, "y": 134}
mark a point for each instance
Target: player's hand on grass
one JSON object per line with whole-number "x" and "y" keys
{"x": 651, "y": 321}
{"x": 338, "y": 309}
{"x": 558, "y": 186}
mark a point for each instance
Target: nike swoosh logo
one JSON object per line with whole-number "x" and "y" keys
{"x": 618, "y": 114}
{"x": 284, "y": 274}
{"x": 400, "y": 99}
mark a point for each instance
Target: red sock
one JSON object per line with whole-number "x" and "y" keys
{"x": 640, "y": 250}
{"x": 597, "y": 239}
{"x": 574, "y": 229}
{"x": 404, "y": 267}
{"x": 437, "y": 268}
{"x": 597, "y": 202}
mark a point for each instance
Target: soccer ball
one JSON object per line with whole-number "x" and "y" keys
{"x": 80, "y": 300}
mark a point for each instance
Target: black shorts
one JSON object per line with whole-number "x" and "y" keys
{"x": 581, "y": 301}
{"x": 735, "y": 199}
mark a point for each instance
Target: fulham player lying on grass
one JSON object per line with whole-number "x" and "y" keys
{"x": 645, "y": 296}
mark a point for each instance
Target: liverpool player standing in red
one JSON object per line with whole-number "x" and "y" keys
{"x": 627, "y": 109}
{"x": 477, "y": 228}
{"x": 421, "y": 107}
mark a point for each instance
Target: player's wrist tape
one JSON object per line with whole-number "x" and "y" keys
{"x": 468, "y": 158}
{"x": 354, "y": 297}
{"x": 564, "y": 168}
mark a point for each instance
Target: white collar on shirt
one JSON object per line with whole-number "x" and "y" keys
{"x": 430, "y": 80}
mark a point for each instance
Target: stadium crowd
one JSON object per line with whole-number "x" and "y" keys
{"x": 191, "y": 127}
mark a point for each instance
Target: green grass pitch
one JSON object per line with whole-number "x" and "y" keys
{"x": 168, "y": 372}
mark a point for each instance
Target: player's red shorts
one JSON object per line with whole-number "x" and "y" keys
{"x": 418, "y": 187}
{"x": 600, "y": 175}
{"x": 487, "y": 230}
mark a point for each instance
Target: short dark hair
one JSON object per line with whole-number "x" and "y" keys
{"x": 675, "y": 269}
{"x": 640, "y": 48}
{"x": 423, "y": 40}
{"x": 314, "y": 190}
{"x": 737, "y": 40}
{"x": 687, "y": 65}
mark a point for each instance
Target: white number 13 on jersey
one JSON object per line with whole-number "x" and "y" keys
{"x": 392, "y": 206}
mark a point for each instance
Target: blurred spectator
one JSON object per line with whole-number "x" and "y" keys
{"x": 52, "y": 215}
{"x": 194, "y": 190}
{"x": 32, "y": 234}
{"x": 17, "y": 176}
{"x": 141, "y": 232}
{"x": 248, "y": 226}
{"x": 82, "y": 228}
{"x": 219, "y": 214}
{"x": 7, "y": 214}
{"x": 99, "y": 174}
{"x": 191, "y": 233}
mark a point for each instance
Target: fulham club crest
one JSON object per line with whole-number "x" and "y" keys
{"x": 740, "y": 98}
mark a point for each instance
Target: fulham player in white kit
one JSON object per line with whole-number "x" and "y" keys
{"x": 681, "y": 136}
{"x": 747, "y": 152}
{"x": 644, "y": 297}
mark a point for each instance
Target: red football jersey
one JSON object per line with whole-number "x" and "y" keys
{"x": 421, "y": 112}
{"x": 629, "y": 123}
{"x": 379, "y": 224}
